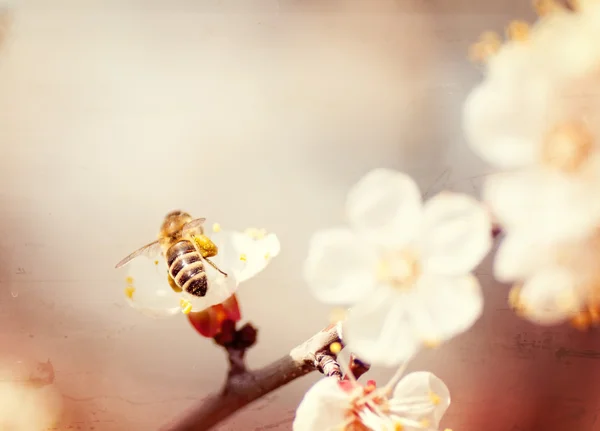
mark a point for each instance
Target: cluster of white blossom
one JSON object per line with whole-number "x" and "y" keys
{"x": 535, "y": 118}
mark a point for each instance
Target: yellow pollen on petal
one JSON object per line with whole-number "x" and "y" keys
{"x": 398, "y": 426}
{"x": 567, "y": 146}
{"x": 243, "y": 257}
{"x": 518, "y": 31}
{"x": 335, "y": 348}
{"x": 129, "y": 291}
{"x": 434, "y": 398}
{"x": 186, "y": 306}
{"x": 425, "y": 423}
{"x": 399, "y": 269}
{"x": 216, "y": 227}
{"x": 267, "y": 256}
{"x": 129, "y": 280}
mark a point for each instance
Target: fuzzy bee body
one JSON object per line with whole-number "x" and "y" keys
{"x": 185, "y": 249}
{"x": 186, "y": 268}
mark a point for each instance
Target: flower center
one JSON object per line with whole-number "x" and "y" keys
{"x": 399, "y": 269}
{"x": 567, "y": 146}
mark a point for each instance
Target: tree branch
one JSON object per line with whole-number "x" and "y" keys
{"x": 243, "y": 386}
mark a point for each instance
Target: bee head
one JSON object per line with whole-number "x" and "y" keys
{"x": 174, "y": 222}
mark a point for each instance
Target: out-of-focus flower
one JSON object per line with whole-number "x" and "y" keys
{"x": 28, "y": 400}
{"x": 536, "y": 115}
{"x": 241, "y": 256}
{"x": 405, "y": 266}
{"x": 553, "y": 282}
{"x": 417, "y": 402}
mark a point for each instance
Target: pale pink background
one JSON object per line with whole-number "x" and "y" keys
{"x": 253, "y": 112}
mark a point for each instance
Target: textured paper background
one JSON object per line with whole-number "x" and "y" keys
{"x": 249, "y": 113}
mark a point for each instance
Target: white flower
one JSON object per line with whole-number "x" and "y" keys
{"x": 536, "y": 114}
{"x": 241, "y": 256}
{"x": 553, "y": 281}
{"x": 406, "y": 266}
{"x": 418, "y": 402}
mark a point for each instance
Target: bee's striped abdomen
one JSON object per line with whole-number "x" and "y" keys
{"x": 186, "y": 268}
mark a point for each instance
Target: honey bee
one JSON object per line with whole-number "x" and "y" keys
{"x": 185, "y": 248}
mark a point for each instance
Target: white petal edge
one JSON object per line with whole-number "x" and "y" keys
{"x": 425, "y": 384}
{"x": 551, "y": 296}
{"x": 380, "y": 328}
{"x": 456, "y": 234}
{"x": 384, "y": 206}
{"x": 340, "y": 267}
{"x": 519, "y": 256}
{"x": 446, "y": 307}
{"x": 153, "y": 296}
{"x": 322, "y": 408}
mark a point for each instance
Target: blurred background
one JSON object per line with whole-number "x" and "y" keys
{"x": 251, "y": 113}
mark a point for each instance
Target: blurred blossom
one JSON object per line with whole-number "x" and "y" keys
{"x": 536, "y": 116}
{"x": 554, "y": 281}
{"x": 242, "y": 255}
{"x": 28, "y": 399}
{"x": 403, "y": 265}
{"x": 417, "y": 402}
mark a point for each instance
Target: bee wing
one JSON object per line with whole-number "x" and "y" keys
{"x": 193, "y": 227}
{"x": 149, "y": 250}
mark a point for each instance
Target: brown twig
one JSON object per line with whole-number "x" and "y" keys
{"x": 245, "y": 386}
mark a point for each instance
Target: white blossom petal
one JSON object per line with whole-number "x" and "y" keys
{"x": 147, "y": 287}
{"x": 430, "y": 387}
{"x": 447, "y": 306}
{"x": 550, "y": 207}
{"x": 550, "y": 296}
{"x": 245, "y": 255}
{"x": 229, "y": 258}
{"x": 323, "y": 407}
{"x": 519, "y": 256}
{"x": 219, "y": 289}
{"x": 380, "y": 328}
{"x": 385, "y": 207}
{"x": 456, "y": 234}
{"x": 340, "y": 267}
{"x": 504, "y": 121}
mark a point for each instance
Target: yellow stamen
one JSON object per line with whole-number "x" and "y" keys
{"x": 581, "y": 321}
{"x": 216, "y": 227}
{"x": 398, "y": 426}
{"x": 156, "y": 262}
{"x": 488, "y": 45}
{"x": 432, "y": 343}
{"x": 546, "y": 7}
{"x": 243, "y": 257}
{"x": 129, "y": 291}
{"x": 518, "y": 31}
{"x": 186, "y": 306}
{"x": 129, "y": 280}
{"x": 335, "y": 348}
{"x": 267, "y": 256}
{"x": 434, "y": 398}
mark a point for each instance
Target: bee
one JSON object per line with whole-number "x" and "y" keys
{"x": 185, "y": 248}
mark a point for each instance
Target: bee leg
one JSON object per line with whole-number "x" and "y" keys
{"x": 215, "y": 266}
{"x": 173, "y": 284}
